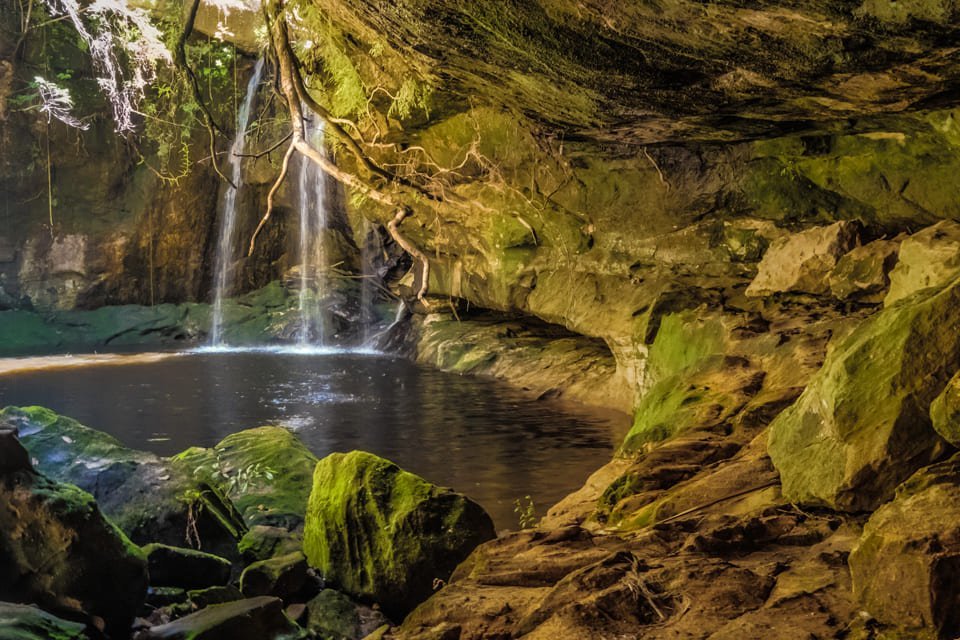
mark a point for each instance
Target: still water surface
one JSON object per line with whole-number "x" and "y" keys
{"x": 480, "y": 437}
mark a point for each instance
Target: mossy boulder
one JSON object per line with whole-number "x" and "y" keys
{"x": 23, "y": 622}
{"x": 58, "y": 551}
{"x": 945, "y": 412}
{"x": 386, "y": 535}
{"x": 251, "y": 619}
{"x": 185, "y": 568}
{"x": 906, "y": 565}
{"x": 861, "y": 427}
{"x": 266, "y": 472}
{"x": 928, "y": 258}
{"x": 150, "y": 498}
{"x": 281, "y": 577}
{"x": 262, "y": 542}
{"x": 332, "y": 615}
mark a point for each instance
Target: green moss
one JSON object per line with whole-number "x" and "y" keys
{"x": 266, "y": 472}
{"x": 383, "y": 534}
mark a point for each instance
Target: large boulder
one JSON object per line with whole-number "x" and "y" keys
{"x": 282, "y": 577}
{"x": 928, "y": 258}
{"x": 802, "y": 262}
{"x": 862, "y": 427}
{"x": 23, "y": 622}
{"x": 58, "y": 551}
{"x": 150, "y": 498}
{"x": 386, "y": 535}
{"x": 906, "y": 566}
{"x": 266, "y": 472}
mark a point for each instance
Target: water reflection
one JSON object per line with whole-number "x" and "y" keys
{"x": 477, "y": 436}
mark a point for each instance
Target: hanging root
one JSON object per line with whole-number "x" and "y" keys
{"x": 393, "y": 228}
{"x": 273, "y": 191}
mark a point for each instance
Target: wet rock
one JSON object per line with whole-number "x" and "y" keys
{"x": 22, "y": 622}
{"x": 802, "y": 262}
{"x": 58, "y": 551}
{"x": 150, "y": 498}
{"x": 281, "y": 577}
{"x": 185, "y": 568}
{"x": 906, "y": 565}
{"x": 165, "y": 596}
{"x": 333, "y": 614}
{"x": 862, "y": 427}
{"x": 385, "y": 535}
{"x": 263, "y": 542}
{"x": 266, "y": 472}
{"x": 13, "y": 457}
{"x": 214, "y": 595}
{"x": 945, "y": 412}
{"x": 928, "y": 258}
{"x": 863, "y": 273}
{"x": 252, "y": 619}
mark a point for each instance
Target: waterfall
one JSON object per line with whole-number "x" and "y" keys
{"x": 312, "y": 195}
{"x": 226, "y": 256}
{"x": 367, "y": 298}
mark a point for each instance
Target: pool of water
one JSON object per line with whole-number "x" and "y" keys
{"x": 477, "y": 436}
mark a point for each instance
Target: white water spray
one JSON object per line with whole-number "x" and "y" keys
{"x": 226, "y": 243}
{"x": 312, "y": 190}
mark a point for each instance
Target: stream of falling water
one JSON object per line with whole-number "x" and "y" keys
{"x": 312, "y": 190}
{"x": 226, "y": 242}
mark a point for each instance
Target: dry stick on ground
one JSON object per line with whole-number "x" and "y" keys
{"x": 294, "y": 93}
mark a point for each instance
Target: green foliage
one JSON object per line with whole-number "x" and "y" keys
{"x": 526, "y": 512}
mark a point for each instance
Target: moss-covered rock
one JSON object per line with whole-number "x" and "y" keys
{"x": 185, "y": 568}
{"x": 861, "y": 427}
{"x": 281, "y": 577}
{"x": 266, "y": 472}
{"x": 251, "y": 619}
{"x": 385, "y": 535}
{"x": 906, "y": 563}
{"x": 332, "y": 615}
{"x": 22, "y": 622}
{"x": 58, "y": 551}
{"x": 263, "y": 542}
{"x": 152, "y": 499}
{"x": 214, "y": 595}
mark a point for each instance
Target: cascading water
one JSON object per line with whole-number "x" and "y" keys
{"x": 226, "y": 243}
{"x": 312, "y": 190}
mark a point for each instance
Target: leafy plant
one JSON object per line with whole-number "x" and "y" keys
{"x": 526, "y": 512}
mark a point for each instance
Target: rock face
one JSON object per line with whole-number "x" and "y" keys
{"x": 802, "y": 262}
{"x": 58, "y": 551}
{"x": 385, "y": 535}
{"x": 945, "y": 412}
{"x": 905, "y": 567}
{"x": 861, "y": 427}
{"x": 150, "y": 498}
